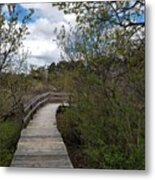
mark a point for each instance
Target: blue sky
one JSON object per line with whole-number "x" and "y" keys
{"x": 22, "y": 12}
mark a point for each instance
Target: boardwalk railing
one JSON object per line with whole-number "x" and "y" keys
{"x": 35, "y": 103}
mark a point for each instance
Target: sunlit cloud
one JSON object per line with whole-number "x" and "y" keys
{"x": 40, "y": 42}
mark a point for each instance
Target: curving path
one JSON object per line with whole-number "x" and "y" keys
{"x": 41, "y": 144}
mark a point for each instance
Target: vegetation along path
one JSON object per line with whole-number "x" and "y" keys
{"x": 41, "y": 144}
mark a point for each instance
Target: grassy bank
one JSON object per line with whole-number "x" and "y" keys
{"x": 9, "y": 135}
{"x": 102, "y": 142}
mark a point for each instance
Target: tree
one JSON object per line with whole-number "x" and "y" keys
{"x": 106, "y": 14}
{"x": 108, "y": 95}
{"x": 12, "y": 34}
{"x": 12, "y": 59}
{"x": 100, "y": 26}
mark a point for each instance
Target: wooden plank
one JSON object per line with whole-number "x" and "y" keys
{"x": 41, "y": 144}
{"x": 52, "y": 97}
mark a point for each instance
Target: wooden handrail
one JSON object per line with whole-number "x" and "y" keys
{"x": 33, "y": 101}
{"x": 34, "y": 104}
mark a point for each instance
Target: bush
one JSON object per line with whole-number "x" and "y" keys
{"x": 9, "y": 135}
{"x": 105, "y": 120}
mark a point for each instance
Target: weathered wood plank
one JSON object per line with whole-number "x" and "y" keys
{"x": 41, "y": 144}
{"x": 34, "y": 104}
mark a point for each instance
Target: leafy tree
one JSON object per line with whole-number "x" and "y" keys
{"x": 12, "y": 58}
{"x": 12, "y": 34}
{"x": 13, "y": 83}
{"x": 108, "y": 94}
{"x": 98, "y": 23}
{"x": 106, "y": 14}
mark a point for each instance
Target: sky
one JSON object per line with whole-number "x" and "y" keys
{"x": 40, "y": 43}
{"x": 43, "y": 50}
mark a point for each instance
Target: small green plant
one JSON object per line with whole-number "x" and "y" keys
{"x": 9, "y": 135}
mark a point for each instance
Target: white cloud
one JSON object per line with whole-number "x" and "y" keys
{"x": 70, "y": 18}
{"x": 40, "y": 41}
{"x": 42, "y": 51}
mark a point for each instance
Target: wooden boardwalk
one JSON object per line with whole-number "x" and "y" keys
{"x": 40, "y": 144}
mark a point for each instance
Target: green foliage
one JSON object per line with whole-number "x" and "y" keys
{"x": 12, "y": 92}
{"x": 103, "y": 69}
{"x": 116, "y": 13}
{"x": 106, "y": 115}
{"x": 9, "y": 134}
{"x": 108, "y": 128}
{"x": 13, "y": 84}
{"x": 96, "y": 22}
